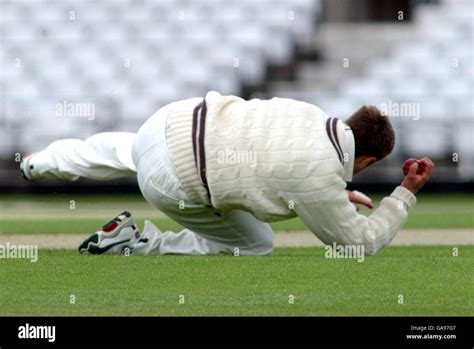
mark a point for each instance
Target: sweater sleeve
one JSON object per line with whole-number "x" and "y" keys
{"x": 336, "y": 220}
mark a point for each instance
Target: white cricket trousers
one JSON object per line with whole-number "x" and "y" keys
{"x": 112, "y": 155}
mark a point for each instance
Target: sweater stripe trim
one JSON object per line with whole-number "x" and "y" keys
{"x": 334, "y": 130}
{"x": 331, "y": 124}
{"x": 198, "y": 132}
{"x": 202, "y": 152}
{"x": 197, "y": 135}
{"x": 193, "y": 132}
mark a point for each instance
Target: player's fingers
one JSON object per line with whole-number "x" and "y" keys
{"x": 368, "y": 203}
{"x": 412, "y": 170}
{"x": 428, "y": 167}
{"x": 352, "y": 196}
{"x": 428, "y": 163}
{"x": 364, "y": 202}
{"x": 362, "y": 199}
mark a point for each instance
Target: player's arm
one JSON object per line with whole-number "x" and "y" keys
{"x": 336, "y": 219}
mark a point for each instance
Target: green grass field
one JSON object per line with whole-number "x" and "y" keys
{"x": 431, "y": 280}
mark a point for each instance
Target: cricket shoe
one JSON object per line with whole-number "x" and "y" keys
{"x": 26, "y": 168}
{"x": 116, "y": 237}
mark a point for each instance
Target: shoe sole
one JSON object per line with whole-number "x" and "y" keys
{"x": 25, "y": 168}
{"x": 109, "y": 231}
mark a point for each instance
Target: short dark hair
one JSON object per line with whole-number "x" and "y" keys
{"x": 373, "y": 132}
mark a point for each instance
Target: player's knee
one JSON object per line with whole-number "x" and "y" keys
{"x": 266, "y": 245}
{"x": 371, "y": 249}
{"x": 265, "y": 252}
{"x": 263, "y": 248}
{"x": 258, "y": 252}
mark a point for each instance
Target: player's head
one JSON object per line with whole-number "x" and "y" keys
{"x": 373, "y": 136}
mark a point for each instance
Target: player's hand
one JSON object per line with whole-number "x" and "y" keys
{"x": 413, "y": 181}
{"x": 357, "y": 198}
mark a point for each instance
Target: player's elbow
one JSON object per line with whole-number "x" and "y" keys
{"x": 372, "y": 245}
{"x": 368, "y": 242}
{"x": 370, "y": 250}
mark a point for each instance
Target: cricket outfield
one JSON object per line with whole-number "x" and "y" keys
{"x": 426, "y": 271}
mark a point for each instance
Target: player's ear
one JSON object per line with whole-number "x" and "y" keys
{"x": 365, "y": 161}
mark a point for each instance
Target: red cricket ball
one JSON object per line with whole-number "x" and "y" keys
{"x": 409, "y": 162}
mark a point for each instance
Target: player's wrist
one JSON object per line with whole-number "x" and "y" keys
{"x": 405, "y": 195}
{"x": 409, "y": 187}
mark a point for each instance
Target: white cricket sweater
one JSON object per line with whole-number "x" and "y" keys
{"x": 276, "y": 159}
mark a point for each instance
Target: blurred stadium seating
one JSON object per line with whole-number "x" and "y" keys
{"x": 131, "y": 57}
{"x": 428, "y": 64}
{"x": 128, "y": 58}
